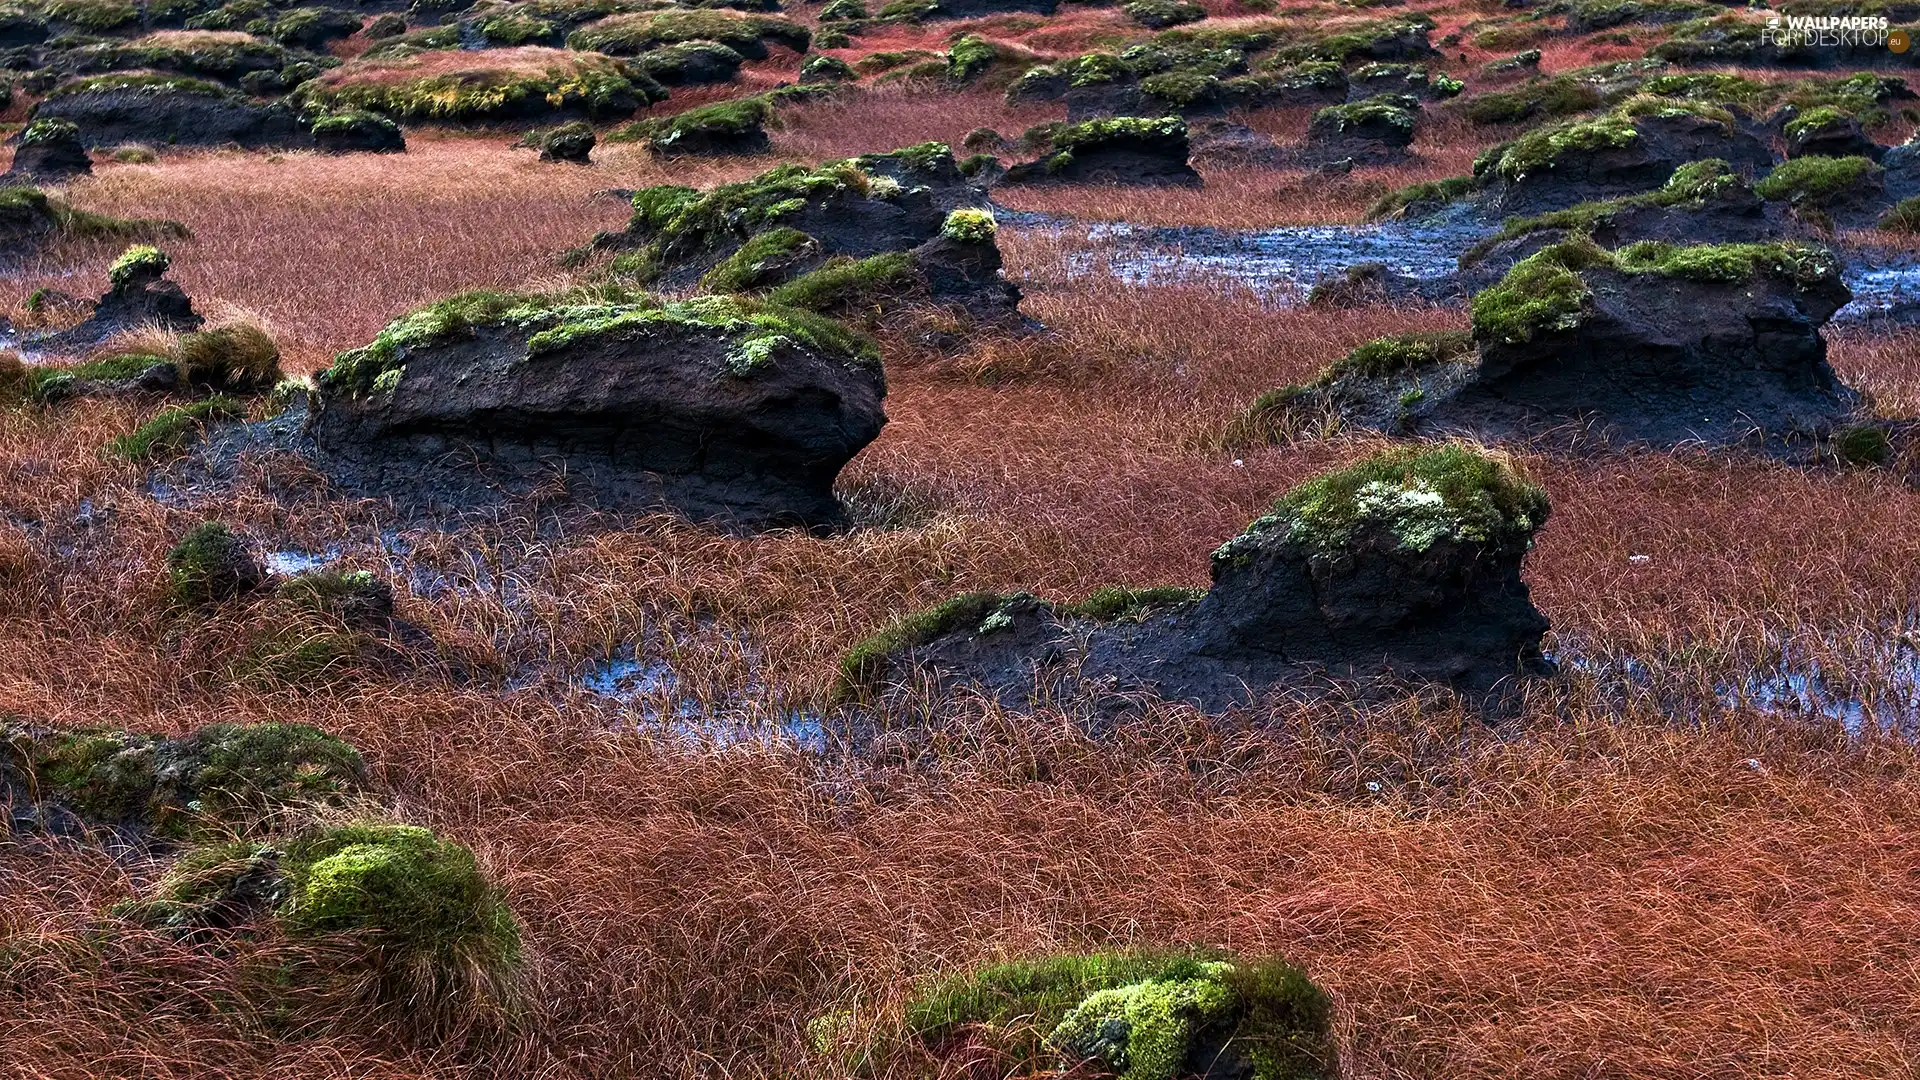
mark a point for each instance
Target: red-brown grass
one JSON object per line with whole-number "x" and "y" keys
{"x": 1637, "y": 877}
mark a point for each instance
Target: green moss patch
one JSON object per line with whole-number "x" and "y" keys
{"x": 221, "y": 779}
{"x": 1418, "y": 497}
{"x": 633, "y": 34}
{"x": 1690, "y": 186}
{"x": 729, "y": 119}
{"x": 1402, "y": 353}
{"x": 1423, "y": 194}
{"x": 552, "y": 322}
{"x": 1136, "y": 1016}
{"x": 1542, "y": 293}
{"x": 864, "y": 665}
{"x": 173, "y": 428}
{"x": 530, "y": 82}
{"x": 1115, "y": 603}
{"x": 1814, "y": 180}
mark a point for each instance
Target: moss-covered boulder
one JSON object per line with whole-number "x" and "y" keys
{"x": 1846, "y": 191}
{"x": 1376, "y": 129}
{"x": 1828, "y": 131}
{"x": 139, "y": 295}
{"x": 1624, "y": 152}
{"x": 371, "y": 922}
{"x": 848, "y": 235}
{"x": 643, "y": 32}
{"x": 572, "y": 142}
{"x": 1121, "y": 150}
{"x": 485, "y": 87}
{"x": 1703, "y": 202}
{"x": 47, "y": 152}
{"x": 225, "y": 779}
{"x": 1655, "y": 344}
{"x": 722, "y": 409}
{"x": 357, "y": 131}
{"x": 1406, "y": 565}
{"x": 720, "y": 129}
{"x": 1145, "y": 1015}
{"x": 170, "y": 110}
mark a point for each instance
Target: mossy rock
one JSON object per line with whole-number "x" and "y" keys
{"x": 223, "y": 779}
{"x": 1817, "y": 181}
{"x": 642, "y": 32}
{"x": 1136, "y": 1015}
{"x": 724, "y": 127}
{"x": 526, "y": 83}
{"x": 1161, "y": 14}
{"x": 1414, "y": 497}
{"x": 390, "y": 919}
{"x": 212, "y": 564}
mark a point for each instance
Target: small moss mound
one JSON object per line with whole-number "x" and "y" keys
{"x": 762, "y": 261}
{"x": 224, "y": 778}
{"x": 1120, "y": 602}
{"x": 1399, "y": 112}
{"x": 864, "y": 665}
{"x": 173, "y": 428}
{"x": 137, "y": 265}
{"x": 1418, "y": 497}
{"x": 970, "y": 226}
{"x": 1862, "y": 445}
{"x": 1402, "y": 353}
{"x": 1814, "y": 180}
{"x": 382, "y": 917}
{"x": 826, "y": 69}
{"x": 210, "y": 565}
{"x": 527, "y": 82}
{"x": 849, "y": 285}
{"x": 1138, "y": 1015}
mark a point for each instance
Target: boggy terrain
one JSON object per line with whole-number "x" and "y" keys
{"x": 592, "y": 538}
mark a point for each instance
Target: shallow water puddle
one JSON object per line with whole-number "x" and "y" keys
{"x": 1282, "y": 264}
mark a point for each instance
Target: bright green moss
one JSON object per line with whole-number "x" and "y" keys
{"x": 48, "y": 383}
{"x": 1402, "y": 353}
{"x": 1814, "y": 180}
{"x": 246, "y": 771}
{"x": 735, "y": 118}
{"x": 1096, "y": 132}
{"x": 137, "y": 264}
{"x": 969, "y": 58}
{"x": 1541, "y": 294}
{"x": 765, "y": 259}
{"x": 50, "y": 130}
{"x": 559, "y": 321}
{"x": 1137, "y": 1015}
{"x": 1119, "y": 602}
{"x": 863, "y": 666}
{"x": 1537, "y": 150}
{"x": 1398, "y": 202}
{"x": 673, "y": 63}
{"x": 970, "y": 226}
{"x": 1160, "y": 14}
{"x": 173, "y": 428}
{"x": 597, "y": 86}
{"x": 1803, "y": 264}
{"x": 511, "y": 28}
{"x": 845, "y": 284}
{"x": 1452, "y": 493}
{"x": 1356, "y": 42}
